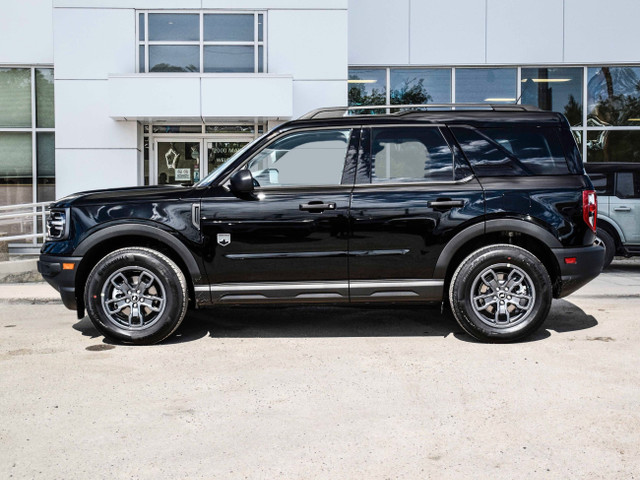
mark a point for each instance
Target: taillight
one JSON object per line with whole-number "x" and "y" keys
{"x": 589, "y": 208}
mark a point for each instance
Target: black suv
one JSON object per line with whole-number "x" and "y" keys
{"x": 488, "y": 209}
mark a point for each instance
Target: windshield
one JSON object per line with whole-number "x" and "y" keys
{"x": 222, "y": 167}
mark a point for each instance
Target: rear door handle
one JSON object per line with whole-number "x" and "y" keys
{"x": 317, "y": 206}
{"x": 445, "y": 203}
{"x": 622, "y": 209}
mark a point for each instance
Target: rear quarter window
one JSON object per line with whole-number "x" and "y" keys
{"x": 538, "y": 148}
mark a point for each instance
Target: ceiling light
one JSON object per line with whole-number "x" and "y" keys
{"x": 634, "y": 119}
{"x": 499, "y": 99}
{"x": 362, "y": 81}
{"x": 550, "y": 80}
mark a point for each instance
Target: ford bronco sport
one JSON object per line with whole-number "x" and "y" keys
{"x": 487, "y": 209}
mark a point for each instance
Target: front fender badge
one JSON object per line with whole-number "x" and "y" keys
{"x": 224, "y": 239}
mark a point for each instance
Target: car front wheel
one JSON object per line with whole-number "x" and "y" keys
{"x": 500, "y": 293}
{"x": 136, "y": 295}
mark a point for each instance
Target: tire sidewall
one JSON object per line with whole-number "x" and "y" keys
{"x": 157, "y": 264}
{"x": 609, "y": 245}
{"x": 462, "y": 294}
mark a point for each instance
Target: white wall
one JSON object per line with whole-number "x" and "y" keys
{"x": 26, "y": 32}
{"x": 476, "y": 32}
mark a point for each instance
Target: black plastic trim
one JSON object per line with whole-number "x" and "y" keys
{"x": 589, "y": 262}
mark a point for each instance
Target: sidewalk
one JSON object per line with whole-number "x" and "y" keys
{"x": 35, "y": 292}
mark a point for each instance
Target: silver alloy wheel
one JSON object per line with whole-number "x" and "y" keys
{"x": 133, "y": 298}
{"x": 503, "y": 295}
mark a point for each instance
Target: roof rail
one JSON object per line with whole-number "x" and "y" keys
{"x": 332, "y": 112}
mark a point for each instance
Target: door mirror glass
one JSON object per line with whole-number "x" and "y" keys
{"x": 241, "y": 182}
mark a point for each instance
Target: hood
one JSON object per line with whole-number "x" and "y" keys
{"x": 124, "y": 195}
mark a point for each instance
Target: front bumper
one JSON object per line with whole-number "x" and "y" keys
{"x": 588, "y": 265}
{"x": 63, "y": 280}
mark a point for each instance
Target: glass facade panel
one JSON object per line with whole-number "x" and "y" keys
{"x": 174, "y": 58}
{"x": 613, "y": 96}
{"x": 178, "y": 162}
{"x": 249, "y": 129}
{"x": 261, "y": 59}
{"x": 177, "y": 129}
{"x": 229, "y": 27}
{"x": 554, "y": 89}
{"x": 613, "y": 146}
{"x": 219, "y": 152}
{"x": 141, "y": 66}
{"x": 260, "y": 27}
{"x": 367, "y": 86}
{"x": 491, "y": 85}
{"x": 15, "y": 97}
{"x": 420, "y": 85}
{"x": 229, "y": 58}
{"x": 46, "y": 159}
{"x": 141, "y": 26}
{"x": 174, "y": 27}
{"x": 15, "y": 168}
{"x": 45, "y": 114}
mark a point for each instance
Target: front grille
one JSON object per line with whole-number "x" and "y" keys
{"x": 57, "y": 224}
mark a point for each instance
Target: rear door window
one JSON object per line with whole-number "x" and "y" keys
{"x": 410, "y": 154}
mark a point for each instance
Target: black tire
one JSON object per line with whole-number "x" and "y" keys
{"x": 136, "y": 296}
{"x": 525, "y": 304}
{"x": 609, "y": 246}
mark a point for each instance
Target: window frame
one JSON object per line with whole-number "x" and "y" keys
{"x": 201, "y": 43}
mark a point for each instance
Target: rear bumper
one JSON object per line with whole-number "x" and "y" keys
{"x": 587, "y": 266}
{"x": 64, "y": 281}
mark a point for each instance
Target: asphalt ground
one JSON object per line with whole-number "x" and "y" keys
{"x": 325, "y": 392}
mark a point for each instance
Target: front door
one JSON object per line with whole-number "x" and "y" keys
{"x": 178, "y": 161}
{"x": 289, "y": 240}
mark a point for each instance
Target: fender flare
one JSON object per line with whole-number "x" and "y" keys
{"x": 491, "y": 226}
{"x": 612, "y": 224}
{"x": 140, "y": 230}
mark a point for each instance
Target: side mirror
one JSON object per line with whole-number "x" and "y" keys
{"x": 241, "y": 182}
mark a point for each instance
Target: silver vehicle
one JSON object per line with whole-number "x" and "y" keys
{"x": 618, "y": 189}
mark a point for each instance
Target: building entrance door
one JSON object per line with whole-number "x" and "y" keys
{"x": 218, "y": 152}
{"x": 178, "y": 161}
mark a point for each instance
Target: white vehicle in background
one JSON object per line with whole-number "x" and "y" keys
{"x": 618, "y": 189}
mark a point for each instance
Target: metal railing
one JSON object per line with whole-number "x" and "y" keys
{"x": 26, "y": 222}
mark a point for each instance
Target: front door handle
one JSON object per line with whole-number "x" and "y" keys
{"x": 445, "y": 203}
{"x": 317, "y": 206}
{"x": 622, "y": 209}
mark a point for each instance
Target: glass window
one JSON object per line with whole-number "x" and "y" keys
{"x": 176, "y": 42}
{"x": 15, "y": 168}
{"x": 174, "y": 58}
{"x": 602, "y": 183}
{"x": 45, "y": 115}
{"x": 367, "y": 86}
{"x": 15, "y": 97}
{"x": 174, "y": 27}
{"x": 492, "y": 85}
{"x": 626, "y": 185}
{"x": 46, "y": 158}
{"x": 410, "y": 154}
{"x": 303, "y": 158}
{"x": 420, "y": 85}
{"x": 228, "y": 28}
{"x": 613, "y": 146}
{"x": 228, "y": 58}
{"x": 613, "y": 96}
{"x": 219, "y": 153}
{"x": 538, "y": 149}
{"x": 177, "y": 129}
{"x": 554, "y": 89}
{"x": 249, "y": 129}
{"x": 486, "y": 157}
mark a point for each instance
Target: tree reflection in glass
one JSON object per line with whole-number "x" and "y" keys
{"x": 613, "y": 96}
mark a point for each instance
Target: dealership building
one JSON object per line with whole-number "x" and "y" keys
{"x": 110, "y": 93}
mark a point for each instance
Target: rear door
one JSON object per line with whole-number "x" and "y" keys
{"x": 413, "y": 192}
{"x": 624, "y": 205}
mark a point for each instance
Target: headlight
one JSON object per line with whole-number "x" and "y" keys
{"x": 58, "y": 224}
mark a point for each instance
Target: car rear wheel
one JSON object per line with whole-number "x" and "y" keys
{"x": 500, "y": 293}
{"x": 136, "y": 296}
